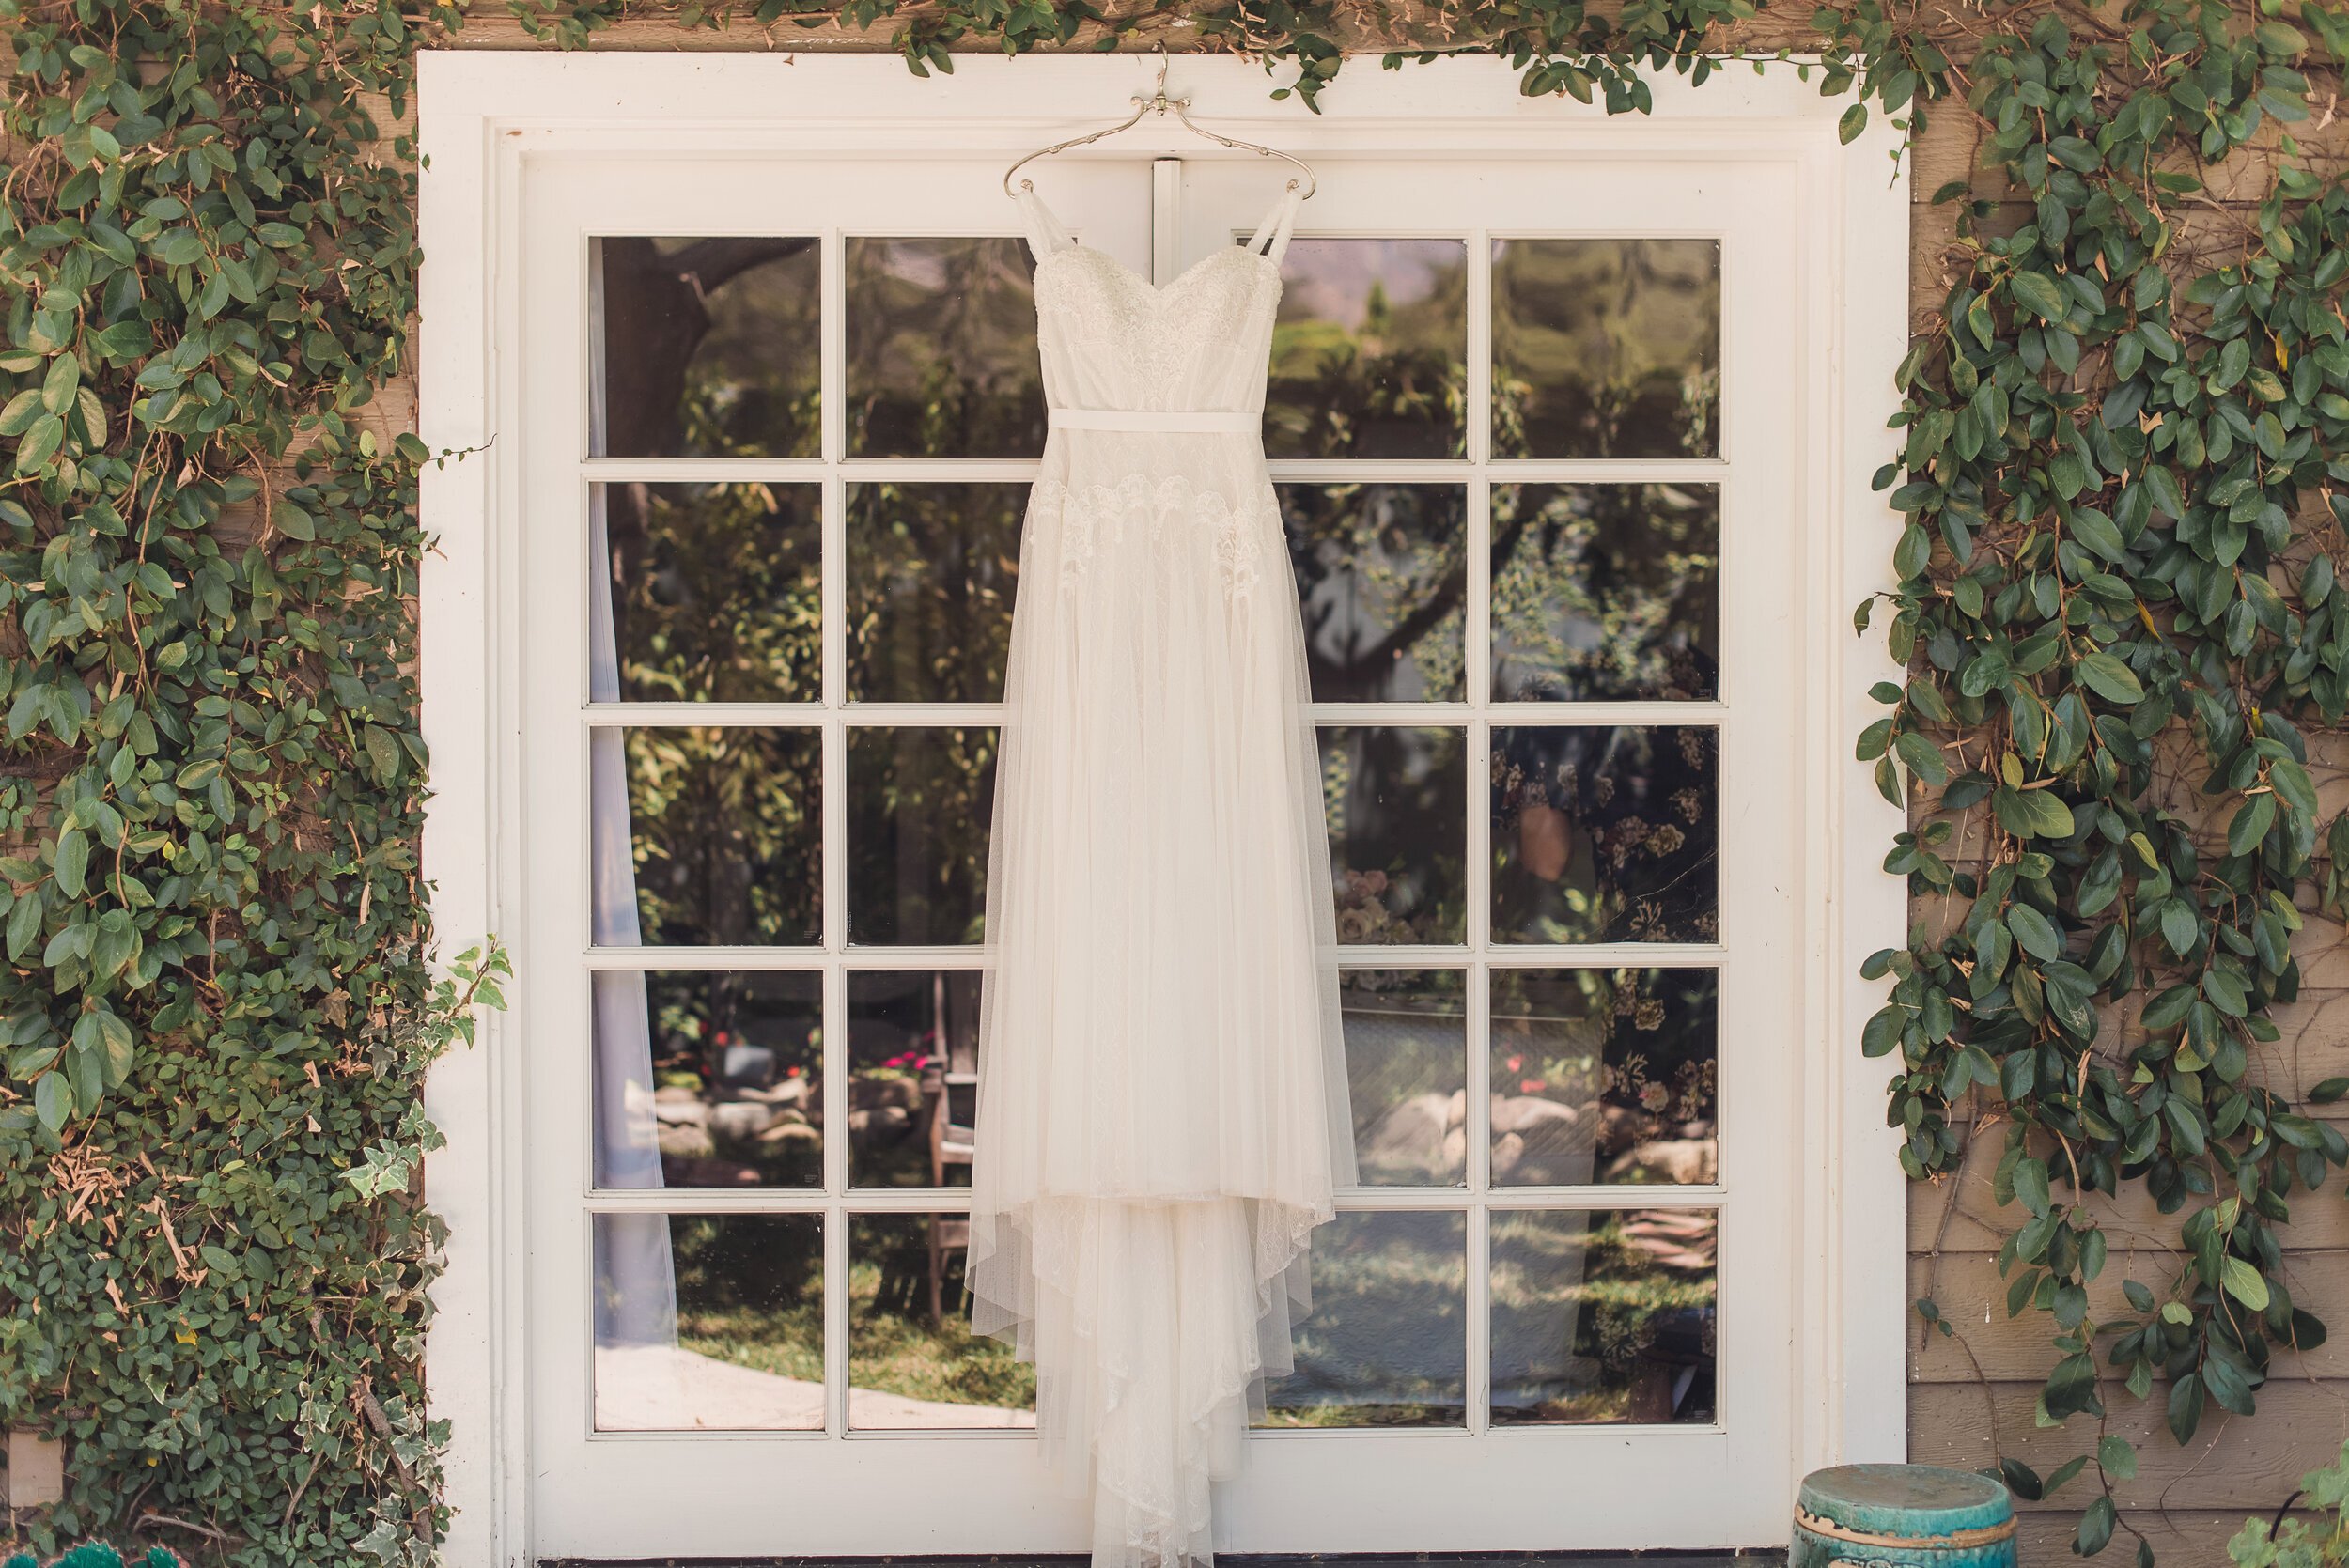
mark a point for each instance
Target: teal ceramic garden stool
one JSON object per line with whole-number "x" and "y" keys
{"x": 1902, "y": 1517}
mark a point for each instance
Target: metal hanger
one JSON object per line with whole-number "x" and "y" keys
{"x": 1158, "y": 102}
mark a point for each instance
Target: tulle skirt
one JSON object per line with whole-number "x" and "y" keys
{"x": 1161, "y": 1114}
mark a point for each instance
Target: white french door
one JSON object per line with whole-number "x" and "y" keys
{"x": 1535, "y": 423}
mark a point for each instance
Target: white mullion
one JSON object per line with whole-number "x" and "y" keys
{"x": 1610, "y": 471}
{"x": 809, "y": 959}
{"x": 1166, "y": 219}
{"x": 694, "y": 1200}
{"x": 809, "y": 470}
{"x": 957, "y": 1200}
{"x": 1379, "y": 471}
{"x": 833, "y": 814}
{"x": 1622, "y": 955}
{"x": 1566, "y": 715}
{"x": 1478, "y": 1119}
{"x": 1414, "y": 1200}
{"x": 953, "y": 716}
{"x": 1571, "y": 1199}
{"x": 948, "y": 1200}
{"x": 835, "y": 1305}
{"x": 1478, "y": 1243}
{"x": 1476, "y": 615}
{"x": 832, "y": 346}
{"x": 1480, "y": 345}
{"x": 985, "y": 714}
{"x": 771, "y": 716}
{"x": 681, "y": 470}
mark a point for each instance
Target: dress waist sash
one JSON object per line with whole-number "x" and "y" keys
{"x": 1174, "y": 421}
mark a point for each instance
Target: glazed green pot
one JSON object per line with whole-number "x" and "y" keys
{"x": 1902, "y": 1517}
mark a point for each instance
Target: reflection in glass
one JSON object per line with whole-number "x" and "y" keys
{"x": 1398, "y": 835}
{"x": 1386, "y": 1342}
{"x": 920, "y": 801}
{"x": 1606, "y": 593}
{"x": 913, "y": 1076}
{"x": 1381, "y": 572}
{"x": 726, "y": 835}
{"x": 942, "y": 353}
{"x": 914, "y": 1362}
{"x": 1605, "y": 1315}
{"x": 1605, "y": 1076}
{"x": 1605, "y": 835}
{"x": 711, "y": 348}
{"x": 1607, "y": 347}
{"x": 1370, "y": 351}
{"x": 931, "y": 570}
{"x": 735, "y": 1100}
{"x": 749, "y": 1350}
{"x": 1406, "y": 1073}
{"x": 716, "y": 591}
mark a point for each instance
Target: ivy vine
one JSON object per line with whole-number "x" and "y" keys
{"x": 2121, "y": 471}
{"x": 2122, "y": 474}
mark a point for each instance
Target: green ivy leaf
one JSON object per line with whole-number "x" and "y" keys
{"x": 2033, "y": 932}
{"x": 2105, "y": 676}
{"x": 72, "y": 861}
{"x": 52, "y": 1100}
{"x": 2040, "y": 294}
{"x": 2245, "y": 1283}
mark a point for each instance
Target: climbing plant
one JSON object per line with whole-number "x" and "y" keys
{"x": 2121, "y": 468}
{"x": 2120, "y": 462}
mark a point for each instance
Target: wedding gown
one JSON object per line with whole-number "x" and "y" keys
{"x": 1161, "y": 1115}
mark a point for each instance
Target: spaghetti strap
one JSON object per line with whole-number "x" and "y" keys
{"x": 1046, "y": 233}
{"x": 1273, "y": 235}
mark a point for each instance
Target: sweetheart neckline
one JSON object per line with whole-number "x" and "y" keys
{"x": 1160, "y": 291}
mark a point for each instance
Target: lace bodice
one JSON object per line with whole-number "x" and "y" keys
{"x": 1109, "y": 339}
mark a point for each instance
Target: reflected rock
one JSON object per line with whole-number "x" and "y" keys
{"x": 1686, "y": 1161}
{"x": 1410, "y": 1136}
{"x": 742, "y": 1120}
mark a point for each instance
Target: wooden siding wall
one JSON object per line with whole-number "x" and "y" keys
{"x": 1971, "y": 1393}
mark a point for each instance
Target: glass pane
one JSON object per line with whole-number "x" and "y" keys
{"x": 1607, "y": 347}
{"x": 914, "y": 1362}
{"x": 716, "y": 592}
{"x": 941, "y": 356}
{"x": 1605, "y": 1076}
{"x": 1370, "y": 351}
{"x": 1398, "y": 801}
{"x": 1606, "y": 593}
{"x": 725, "y": 836}
{"x": 709, "y": 1078}
{"x": 1407, "y": 1072}
{"x": 1386, "y": 1343}
{"x": 931, "y": 570}
{"x": 1605, "y": 835}
{"x": 709, "y": 1322}
{"x": 913, "y": 1076}
{"x": 710, "y": 347}
{"x": 1382, "y": 572}
{"x": 920, "y": 801}
{"x": 1608, "y": 1315}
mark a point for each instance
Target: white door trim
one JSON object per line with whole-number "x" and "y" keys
{"x": 485, "y": 116}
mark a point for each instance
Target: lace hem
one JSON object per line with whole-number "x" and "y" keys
{"x": 1140, "y": 506}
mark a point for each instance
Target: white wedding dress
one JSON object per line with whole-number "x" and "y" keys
{"x": 1162, "y": 1112}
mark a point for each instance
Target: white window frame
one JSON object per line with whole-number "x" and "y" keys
{"x": 484, "y": 116}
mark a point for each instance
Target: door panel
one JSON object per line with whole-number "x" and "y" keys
{"x": 782, "y": 415}
{"x": 1540, "y": 491}
{"x": 1593, "y": 359}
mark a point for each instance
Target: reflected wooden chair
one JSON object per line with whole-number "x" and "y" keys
{"x": 950, "y": 1088}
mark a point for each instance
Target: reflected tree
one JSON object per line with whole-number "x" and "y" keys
{"x": 1606, "y": 593}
